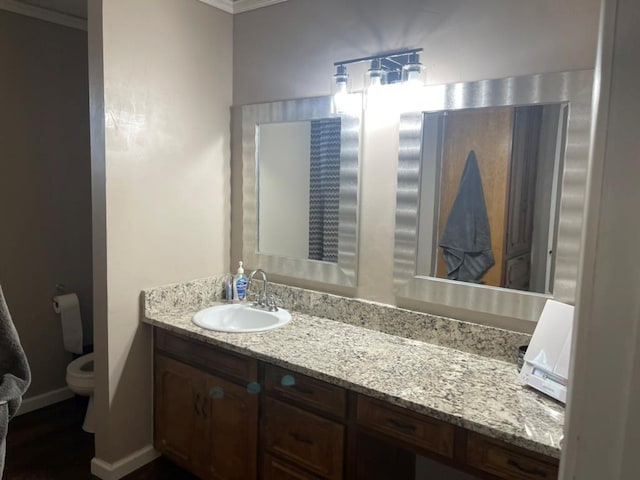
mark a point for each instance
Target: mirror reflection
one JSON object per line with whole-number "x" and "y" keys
{"x": 298, "y": 167}
{"x": 489, "y": 190}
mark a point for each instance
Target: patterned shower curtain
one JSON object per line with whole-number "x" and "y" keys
{"x": 324, "y": 189}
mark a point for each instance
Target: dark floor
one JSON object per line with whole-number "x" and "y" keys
{"x": 50, "y": 444}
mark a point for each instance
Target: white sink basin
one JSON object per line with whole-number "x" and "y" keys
{"x": 240, "y": 317}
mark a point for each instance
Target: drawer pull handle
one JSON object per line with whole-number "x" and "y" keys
{"x": 402, "y": 426}
{"x": 530, "y": 471}
{"x": 300, "y": 438}
{"x": 196, "y": 402}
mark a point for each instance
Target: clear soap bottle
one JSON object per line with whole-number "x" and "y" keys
{"x": 240, "y": 284}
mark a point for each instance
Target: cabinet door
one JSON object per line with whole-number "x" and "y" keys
{"x": 304, "y": 439}
{"x": 181, "y": 430}
{"x": 232, "y": 413}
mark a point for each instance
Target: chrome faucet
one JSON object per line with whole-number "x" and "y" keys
{"x": 264, "y": 300}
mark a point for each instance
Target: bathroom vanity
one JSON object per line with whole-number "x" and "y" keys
{"x": 322, "y": 399}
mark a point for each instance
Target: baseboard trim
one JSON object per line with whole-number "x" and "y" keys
{"x": 44, "y": 400}
{"x": 124, "y": 466}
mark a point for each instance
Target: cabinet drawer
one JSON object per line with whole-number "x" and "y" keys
{"x": 427, "y": 433}
{"x": 275, "y": 469}
{"x": 207, "y": 356}
{"x": 306, "y": 390}
{"x": 303, "y": 438}
{"x": 493, "y": 456}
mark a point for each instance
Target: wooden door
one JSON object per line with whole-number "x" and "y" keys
{"x": 522, "y": 193}
{"x": 488, "y": 132}
{"x": 181, "y": 430}
{"x": 522, "y": 184}
{"x": 232, "y": 415}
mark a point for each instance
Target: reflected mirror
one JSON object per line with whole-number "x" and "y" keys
{"x": 488, "y": 195}
{"x": 300, "y": 190}
{"x": 491, "y": 188}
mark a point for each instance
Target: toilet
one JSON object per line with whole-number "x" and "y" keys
{"x": 80, "y": 372}
{"x": 81, "y": 381}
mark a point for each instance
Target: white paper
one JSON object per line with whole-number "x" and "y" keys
{"x": 68, "y": 307}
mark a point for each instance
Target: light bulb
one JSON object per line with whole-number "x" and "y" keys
{"x": 340, "y": 89}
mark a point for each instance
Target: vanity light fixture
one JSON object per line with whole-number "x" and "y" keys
{"x": 397, "y": 67}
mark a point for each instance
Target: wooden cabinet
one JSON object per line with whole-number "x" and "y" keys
{"x": 313, "y": 437}
{"x": 298, "y": 427}
{"x": 180, "y": 424}
{"x": 506, "y": 461}
{"x": 306, "y": 391}
{"x": 204, "y": 422}
{"x": 304, "y": 439}
{"x": 232, "y": 417}
{"x": 427, "y": 433}
{"x": 275, "y": 469}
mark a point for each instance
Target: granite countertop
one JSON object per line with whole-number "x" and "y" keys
{"x": 475, "y": 392}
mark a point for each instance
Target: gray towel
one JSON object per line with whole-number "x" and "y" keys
{"x": 466, "y": 240}
{"x": 15, "y": 375}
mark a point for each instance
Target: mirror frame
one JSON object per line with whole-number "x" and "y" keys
{"x": 573, "y": 88}
{"x": 344, "y": 272}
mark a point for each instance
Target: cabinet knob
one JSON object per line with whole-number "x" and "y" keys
{"x": 254, "y": 388}
{"x": 287, "y": 381}
{"x": 216, "y": 393}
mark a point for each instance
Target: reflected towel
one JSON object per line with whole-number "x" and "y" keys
{"x": 466, "y": 240}
{"x": 15, "y": 375}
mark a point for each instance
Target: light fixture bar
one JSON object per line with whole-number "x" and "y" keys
{"x": 397, "y": 55}
{"x": 400, "y": 66}
{"x": 389, "y": 67}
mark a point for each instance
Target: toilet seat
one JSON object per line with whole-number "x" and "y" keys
{"x": 80, "y": 375}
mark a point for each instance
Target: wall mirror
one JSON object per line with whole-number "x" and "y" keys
{"x": 300, "y": 190}
{"x": 491, "y": 183}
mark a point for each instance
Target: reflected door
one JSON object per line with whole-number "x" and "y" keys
{"x": 488, "y": 132}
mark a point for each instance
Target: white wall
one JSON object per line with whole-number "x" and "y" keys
{"x": 287, "y": 51}
{"x": 284, "y": 166}
{"x": 603, "y": 420}
{"x": 165, "y": 202}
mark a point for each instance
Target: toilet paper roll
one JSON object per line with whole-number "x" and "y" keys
{"x": 68, "y": 307}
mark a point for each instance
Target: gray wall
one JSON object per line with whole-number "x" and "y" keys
{"x": 287, "y": 51}
{"x": 45, "y": 196}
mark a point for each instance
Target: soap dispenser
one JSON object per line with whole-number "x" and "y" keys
{"x": 240, "y": 284}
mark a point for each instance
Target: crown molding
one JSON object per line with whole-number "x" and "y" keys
{"x": 224, "y": 5}
{"x": 240, "y": 6}
{"x": 43, "y": 14}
